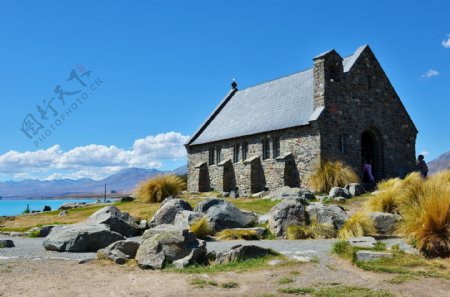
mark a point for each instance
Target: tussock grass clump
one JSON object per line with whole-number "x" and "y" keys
{"x": 201, "y": 228}
{"x": 160, "y": 187}
{"x": 231, "y": 234}
{"x": 394, "y": 192}
{"x": 427, "y": 218}
{"x": 424, "y": 206}
{"x": 312, "y": 231}
{"x": 357, "y": 225}
{"x": 329, "y": 174}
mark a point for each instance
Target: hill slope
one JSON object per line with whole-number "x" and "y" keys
{"x": 440, "y": 163}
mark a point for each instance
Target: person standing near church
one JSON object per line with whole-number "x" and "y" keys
{"x": 422, "y": 166}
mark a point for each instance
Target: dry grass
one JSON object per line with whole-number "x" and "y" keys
{"x": 232, "y": 234}
{"x": 312, "y": 231}
{"x": 331, "y": 174}
{"x": 426, "y": 216}
{"x": 424, "y": 206}
{"x": 201, "y": 228}
{"x": 137, "y": 209}
{"x": 357, "y": 225}
{"x": 160, "y": 187}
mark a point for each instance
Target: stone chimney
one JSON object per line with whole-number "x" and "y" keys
{"x": 328, "y": 70}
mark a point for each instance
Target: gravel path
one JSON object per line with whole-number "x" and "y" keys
{"x": 303, "y": 250}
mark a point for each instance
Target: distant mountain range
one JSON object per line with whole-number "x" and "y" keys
{"x": 123, "y": 181}
{"x": 440, "y": 163}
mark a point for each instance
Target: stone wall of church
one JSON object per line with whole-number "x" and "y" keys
{"x": 363, "y": 100}
{"x": 300, "y": 146}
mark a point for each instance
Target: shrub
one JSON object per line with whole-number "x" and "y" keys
{"x": 201, "y": 228}
{"x": 427, "y": 217}
{"x": 394, "y": 192}
{"x": 357, "y": 225}
{"x": 312, "y": 231}
{"x": 331, "y": 174}
{"x": 158, "y": 188}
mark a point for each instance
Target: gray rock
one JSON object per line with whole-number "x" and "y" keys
{"x": 288, "y": 212}
{"x": 185, "y": 218}
{"x": 263, "y": 219}
{"x": 242, "y": 252}
{"x": 6, "y": 243}
{"x": 226, "y": 215}
{"x": 225, "y": 194}
{"x": 362, "y": 242}
{"x": 288, "y": 192}
{"x": 115, "y": 220}
{"x": 168, "y": 210}
{"x": 45, "y": 230}
{"x": 80, "y": 237}
{"x": 327, "y": 214}
{"x": 339, "y": 192}
{"x": 143, "y": 225}
{"x": 120, "y": 251}
{"x": 372, "y": 255}
{"x": 167, "y": 243}
{"x": 204, "y": 205}
{"x": 234, "y": 194}
{"x": 62, "y": 213}
{"x": 259, "y": 194}
{"x": 383, "y": 222}
{"x": 355, "y": 189}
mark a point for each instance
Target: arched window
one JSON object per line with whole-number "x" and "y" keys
{"x": 276, "y": 147}
{"x": 266, "y": 149}
{"x": 212, "y": 159}
{"x": 244, "y": 151}
{"x": 236, "y": 153}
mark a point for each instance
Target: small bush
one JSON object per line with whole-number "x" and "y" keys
{"x": 201, "y": 228}
{"x": 357, "y": 225}
{"x": 312, "y": 231}
{"x": 427, "y": 218}
{"x": 160, "y": 187}
{"x": 331, "y": 174}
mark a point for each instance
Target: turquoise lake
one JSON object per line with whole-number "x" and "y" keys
{"x": 12, "y": 207}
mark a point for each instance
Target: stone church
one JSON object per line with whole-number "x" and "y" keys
{"x": 274, "y": 133}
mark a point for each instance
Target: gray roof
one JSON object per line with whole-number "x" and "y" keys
{"x": 278, "y": 104}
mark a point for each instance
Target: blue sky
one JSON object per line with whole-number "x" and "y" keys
{"x": 164, "y": 65}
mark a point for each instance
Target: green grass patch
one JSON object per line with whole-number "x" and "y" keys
{"x": 401, "y": 263}
{"x": 296, "y": 291}
{"x": 247, "y": 265}
{"x": 229, "y": 285}
{"x": 257, "y": 205}
{"x": 337, "y": 291}
{"x": 285, "y": 280}
{"x": 401, "y": 278}
{"x": 201, "y": 283}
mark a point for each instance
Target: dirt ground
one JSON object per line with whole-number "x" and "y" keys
{"x": 68, "y": 278}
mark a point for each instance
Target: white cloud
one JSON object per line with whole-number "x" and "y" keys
{"x": 93, "y": 161}
{"x": 446, "y": 42}
{"x": 430, "y": 73}
{"x": 425, "y": 153}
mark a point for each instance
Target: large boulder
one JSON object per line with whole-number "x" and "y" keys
{"x": 372, "y": 255}
{"x": 204, "y": 205}
{"x": 119, "y": 251}
{"x": 222, "y": 215}
{"x": 339, "y": 192}
{"x": 288, "y": 192}
{"x": 355, "y": 189}
{"x": 70, "y": 205}
{"x": 168, "y": 210}
{"x": 168, "y": 243}
{"x": 185, "y": 218}
{"x": 288, "y": 212}
{"x": 242, "y": 252}
{"x": 327, "y": 214}
{"x": 82, "y": 237}
{"x": 115, "y": 220}
{"x": 362, "y": 242}
{"x": 383, "y": 222}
